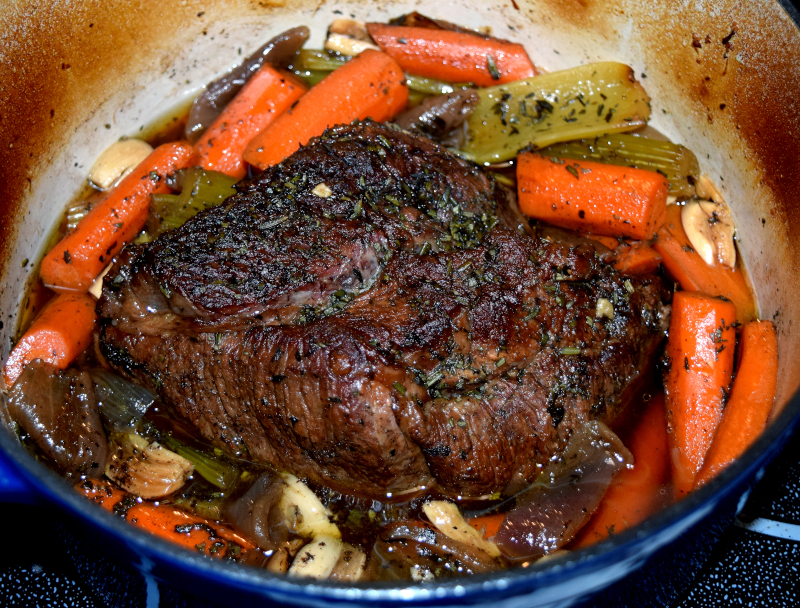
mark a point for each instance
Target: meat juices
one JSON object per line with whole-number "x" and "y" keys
{"x": 373, "y": 314}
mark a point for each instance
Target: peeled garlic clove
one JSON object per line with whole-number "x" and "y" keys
{"x": 119, "y": 159}
{"x": 97, "y": 287}
{"x": 349, "y": 37}
{"x": 147, "y": 469}
{"x": 706, "y": 189}
{"x": 710, "y": 229}
{"x": 447, "y": 518}
{"x": 318, "y": 558}
{"x": 304, "y": 512}
{"x": 350, "y": 566}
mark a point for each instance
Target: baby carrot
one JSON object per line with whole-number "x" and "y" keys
{"x": 700, "y": 348}
{"x": 592, "y": 197}
{"x": 60, "y": 333}
{"x": 168, "y": 522}
{"x": 371, "y": 85}
{"x": 488, "y": 524}
{"x": 634, "y": 493}
{"x": 453, "y": 56}
{"x": 266, "y": 95}
{"x": 636, "y": 259}
{"x": 693, "y": 274}
{"x": 750, "y": 403}
{"x": 81, "y": 255}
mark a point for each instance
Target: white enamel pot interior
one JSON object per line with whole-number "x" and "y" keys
{"x": 724, "y": 77}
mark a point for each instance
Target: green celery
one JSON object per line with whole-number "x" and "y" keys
{"x": 585, "y": 101}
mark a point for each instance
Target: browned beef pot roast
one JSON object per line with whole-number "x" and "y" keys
{"x": 374, "y": 314}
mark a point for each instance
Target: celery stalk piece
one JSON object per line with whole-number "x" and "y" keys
{"x": 200, "y": 190}
{"x": 585, "y": 101}
{"x": 310, "y": 77}
{"x": 214, "y": 470}
{"x": 676, "y": 162}
{"x": 314, "y": 60}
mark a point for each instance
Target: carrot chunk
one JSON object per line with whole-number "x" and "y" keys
{"x": 701, "y": 349}
{"x": 58, "y": 335}
{"x": 168, "y": 522}
{"x": 688, "y": 268}
{"x": 592, "y": 197}
{"x": 636, "y": 259}
{"x": 453, "y": 56}
{"x": 634, "y": 493}
{"x": 371, "y": 85}
{"x": 751, "y": 399}
{"x": 81, "y": 255}
{"x": 268, "y": 94}
{"x": 488, "y": 524}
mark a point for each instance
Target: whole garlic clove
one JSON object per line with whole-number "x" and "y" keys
{"x": 710, "y": 230}
{"x": 349, "y": 37}
{"x": 116, "y": 161}
{"x": 147, "y": 469}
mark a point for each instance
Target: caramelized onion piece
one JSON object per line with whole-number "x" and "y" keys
{"x": 258, "y": 515}
{"x": 440, "y": 116}
{"x": 59, "y": 412}
{"x": 147, "y": 469}
{"x": 413, "y": 551}
{"x": 553, "y": 509}
{"x": 278, "y": 51}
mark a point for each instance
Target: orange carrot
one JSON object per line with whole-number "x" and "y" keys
{"x": 453, "y": 56}
{"x": 609, "y": 241}
{"x": 693, "y": 274}
{"x": 750, "y": 403}
{"x": 370, "y": 85}
{"x": 636, "y": 259}
{"x": 592, "y": 197}
{"x": 634, "y": 493}
{"x": 266, "y": 95}
{"x": 168, "y": 522}
{"x": 58, "y": 335}
{"x": 701, "y": 349}
{"x": 82, "y": 254}
{"x": 488, "y": 524}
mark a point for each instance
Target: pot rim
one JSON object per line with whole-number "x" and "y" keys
{"x": 747, "y": 468}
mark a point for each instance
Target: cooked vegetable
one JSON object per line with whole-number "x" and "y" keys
{"x": 146, "y": 468}
{"x": 59, "y": 413}
{"x": 635, "y": 493}
{"x": 592, "y": 197}
{"x": 750, "y": 402}
{"x": 60, "y": 333}
{"x": 318, "y": 558}
{"x": 350, "y": 567}
{"x": 200, "y": 190}
{"x": 677, "y": 163}
{"x": 96, "y": 289}
{"x": 116, "y": 161}
{"x": 122, "y": 404}
{"x": 80, "y": 256}
{"x": 488, "y": 525}
{"x": 709, "y": 227}
{"x": 266, "y": 96}
{"x": 278, "y": 51}
{"x": 447, "y": 518}
{"x": 436, "y": 117}
{"x": 258, "y": 514}
{"x": 581, "y": 102}
{"x": 370, "y": 85}
{"x": 636, "y": 258}
{"x": 693, "y": 274}
{"x": 453, "y": 56}
{"x": 304, "y": 512}
{"x": 416, "y": 549}
{"x": 214, "y": 470}
{"x": 549, "y": 514}
{"x": 170, "y": 523}
{"x": 348, "y": 37}
{"x": 700, "y": 348}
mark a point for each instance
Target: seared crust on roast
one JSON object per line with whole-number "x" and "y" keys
{"x": 398, "y": 328}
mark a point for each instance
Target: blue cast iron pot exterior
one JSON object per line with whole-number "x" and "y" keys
{"x": 644, "y": 566}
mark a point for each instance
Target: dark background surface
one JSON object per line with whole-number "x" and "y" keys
{"x": 747, "y": 568}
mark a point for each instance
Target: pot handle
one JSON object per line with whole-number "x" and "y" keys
{"x": 13, "y": 486}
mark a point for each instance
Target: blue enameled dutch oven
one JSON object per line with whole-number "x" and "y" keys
{"x": 724, "y": 77}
